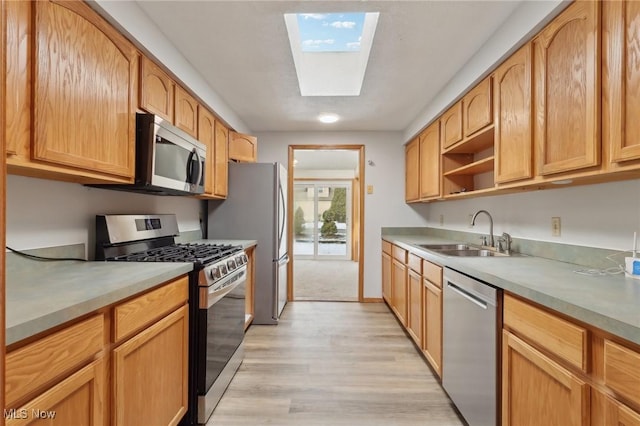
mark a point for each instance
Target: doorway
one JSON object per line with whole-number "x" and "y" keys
{"x": 325, "y": 195}
{"x": 322, "y": 219}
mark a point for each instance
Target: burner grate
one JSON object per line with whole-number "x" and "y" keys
{"x": 201, "y": 253}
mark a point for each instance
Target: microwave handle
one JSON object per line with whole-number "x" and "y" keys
{"x": 189, "y": 168}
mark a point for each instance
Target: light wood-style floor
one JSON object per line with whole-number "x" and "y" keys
{"x": 333, "y": 363}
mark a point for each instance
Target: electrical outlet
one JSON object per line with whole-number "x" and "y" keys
{"x": 441, "y": 219}
{"x": 369, "y": 189}
{"x": 555, "y": 226}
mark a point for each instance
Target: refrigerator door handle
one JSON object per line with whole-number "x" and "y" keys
{"x": 283, "y": 260}
{"x": 284, "y": 216}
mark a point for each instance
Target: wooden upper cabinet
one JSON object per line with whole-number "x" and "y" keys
{"x": 477, "y": 108}
{"x": 186, "y": 112}
{"x": 17, "y": 103}
{"x": 221, "y": 158}
{"x": 567, "y": 90}
{"x": 206, "y": 135}
{"x": 621, "y": 79}
{"x": 84, "y": 90}
{"x": 513, "y": 126}
{"x": 243, "y": 147}
{"x": 451, "y": 126}
{"x": 429, "y": 148}
{"x": 412, "y": 170}
{"x": 156, "y": 90}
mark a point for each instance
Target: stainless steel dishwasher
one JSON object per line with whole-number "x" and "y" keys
{"x": 470, "y": 347}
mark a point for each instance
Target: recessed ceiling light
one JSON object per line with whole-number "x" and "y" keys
{"x": 328, "y": 118}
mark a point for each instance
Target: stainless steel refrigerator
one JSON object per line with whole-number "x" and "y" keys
{"x": 256, "y": 209}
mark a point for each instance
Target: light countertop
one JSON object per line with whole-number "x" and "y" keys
{"x": 608, "y": 302}
{"x": 42, "y": 295}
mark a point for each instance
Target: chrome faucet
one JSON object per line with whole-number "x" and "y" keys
{"x": 473, "y": 222}
{"x": 504, "y": 243}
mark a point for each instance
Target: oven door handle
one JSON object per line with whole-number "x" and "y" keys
{"x": 214, "y": 296}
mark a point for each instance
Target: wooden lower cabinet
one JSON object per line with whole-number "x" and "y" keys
{"x": 77, "y": 400}
{"x": 150, "y": 373}
{"x": 415, "y": 301}
{"x": 399, "y": 290}
{"x": 538, "y": 391}
{"x": 606, "y": 411}
{"x": 386, "y": 278}
{"x": 432, "y": 343}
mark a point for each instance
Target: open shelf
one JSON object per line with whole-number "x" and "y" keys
{"x": 480, "y": 166}
{"x": 475, "y": 143}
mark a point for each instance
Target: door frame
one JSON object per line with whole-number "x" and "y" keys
{"x": 358, "y": 212}
{"x": 341, "y": 183}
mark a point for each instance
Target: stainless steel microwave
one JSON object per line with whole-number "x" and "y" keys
{"x": 168, "y": 160}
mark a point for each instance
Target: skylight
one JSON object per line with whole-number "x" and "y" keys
{"x": 331, "y": 51}
{"x": 330, "y": 32}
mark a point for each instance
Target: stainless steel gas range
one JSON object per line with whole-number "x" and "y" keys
{"x": 216, "y": 297}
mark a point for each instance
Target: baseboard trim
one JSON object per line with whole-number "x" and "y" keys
{"x": 372, "y": 300}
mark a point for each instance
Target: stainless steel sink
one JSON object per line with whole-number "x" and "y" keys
{"x": 438, "y": 247}
{"x": 472, "y": 253}
{"x": 464, "y": 250}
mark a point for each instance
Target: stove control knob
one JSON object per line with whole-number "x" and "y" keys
{"x": 231, "y": 264}
{"x": 214, "y": 273}
{"x": 245, "y": 259}
{"x": 223, "y": 270}
{"x": 240, "y": 260}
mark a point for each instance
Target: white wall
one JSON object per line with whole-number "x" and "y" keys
{"x": 604, "y": 215}
{"x": 520, "y": 26}
{"x": 131, "y": 19}
{"x": 46, "y": 213}
{"x": 385, "y": 207}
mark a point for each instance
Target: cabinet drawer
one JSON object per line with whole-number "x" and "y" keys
{"x": 562, "y": 338}
{"x": 432, "y": 272}
{"x": 622, "y": 370}
{"x": 400, "y": 254}
{"x": 415, "y": 263}
{"x": 136, "y": 313}
{"x": 386, "y": 247}
{"x": 32, "y": 366}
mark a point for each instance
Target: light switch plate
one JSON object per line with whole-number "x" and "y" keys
{"x": 555, "y": 226}
{"x": 369, "y": 189}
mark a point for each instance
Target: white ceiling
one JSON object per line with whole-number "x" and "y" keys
{"x": 241, "y": 49}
